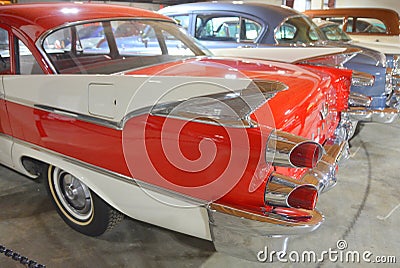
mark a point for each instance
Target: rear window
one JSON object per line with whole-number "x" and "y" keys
{"x": 107, "y": 47}
{"x": 360, "y": 25}
{"x": 226, "y": 28}
{"x": 365, "y": 25}
{"x": 297, "y": 30}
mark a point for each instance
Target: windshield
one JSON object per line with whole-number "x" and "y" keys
{"x": 112, "y": 46}
{"x": 333, "y": 32}
{"x": 297, "y": 30}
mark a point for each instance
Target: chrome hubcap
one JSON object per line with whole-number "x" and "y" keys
{"x": 73, "y": 194}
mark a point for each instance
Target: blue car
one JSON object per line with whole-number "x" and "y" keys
{"x": 254, "y": 25}
{"x": 334, "y": 34}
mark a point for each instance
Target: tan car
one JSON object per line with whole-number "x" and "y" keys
{"x": 378, "y": 27}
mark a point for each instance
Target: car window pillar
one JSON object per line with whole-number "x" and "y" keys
{"x": 112, "y": 44}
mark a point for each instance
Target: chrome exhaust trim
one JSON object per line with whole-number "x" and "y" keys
{"x": 384, "y": 116}
{"x": 288, "y": 150}
{"x": 359, "y": 100}
{"x": 325, "y": 171}
{"x": 322, "y": 177}
{"x": 280, "y": 187}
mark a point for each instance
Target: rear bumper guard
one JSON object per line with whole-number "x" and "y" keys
{"x": 243, "y": 234}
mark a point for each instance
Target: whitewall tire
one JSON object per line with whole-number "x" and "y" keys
{"x": 78, "y": 206}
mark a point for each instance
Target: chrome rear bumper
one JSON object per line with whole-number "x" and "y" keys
{"x": 243, "y": 234}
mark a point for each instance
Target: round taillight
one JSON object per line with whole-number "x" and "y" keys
{"x": 305, "y": 196}
{"x": 306, "y": 154}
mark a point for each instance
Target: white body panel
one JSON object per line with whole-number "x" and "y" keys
{"x": 6, "y": 144}
{"x": 384, "y": 44}
{"x": 5, "y": 141}
{"x": 283, "y": 54}
{"x": 130, "y": 199}
{"x": 125, "y": 92}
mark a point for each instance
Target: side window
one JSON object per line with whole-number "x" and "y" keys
{"x": 174, "y": 46}
{"x": 182, "y": 20}
{"x": 297, "y": 29}
{"x": 285, "y": 33}
{"x": 4, "y": 52}
{"x": 368, "y": 25}
{"x": 136, "y": 38}
{"x": 251, "y": 30}
{"x": 217, "y": 28}
{"x": 313, "y": 34}
{"x": 89, "y": 38}
{"x": 58, "y": 41}
{"x": 25, "y": 62}
{"x": 340, "y": 21}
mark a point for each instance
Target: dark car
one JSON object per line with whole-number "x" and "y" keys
{"x": 232, "y": 25}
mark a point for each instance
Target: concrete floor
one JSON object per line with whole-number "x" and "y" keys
{"x": 368, "y": 190}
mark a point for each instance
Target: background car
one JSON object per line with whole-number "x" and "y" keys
{"x": 275, "y": 25}
{"x": 334, "y": 33}
{"x": 377, "y": 28}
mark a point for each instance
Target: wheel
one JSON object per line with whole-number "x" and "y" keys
{"x": 357, "y": 130}
{"x": 78, "y": 206}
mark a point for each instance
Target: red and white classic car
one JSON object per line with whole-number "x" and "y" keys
{"x": 149, "y": 126}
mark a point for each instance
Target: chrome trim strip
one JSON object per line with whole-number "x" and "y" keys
{"x": 4, "y": 135}
{"x": 359, "y": 100}
{"x": 362, "y": 79}
{"x": 79, "y": 116}
{"x": 384, "y": 116}
{"x": 121, "y": 124}
{"x": 112, "y": 174}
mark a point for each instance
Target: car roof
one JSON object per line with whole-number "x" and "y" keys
{"x": 36, "y": 18}
{"x": 263, "y": 11}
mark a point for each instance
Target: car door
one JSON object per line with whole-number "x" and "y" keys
{"x": 6, "y": 140}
